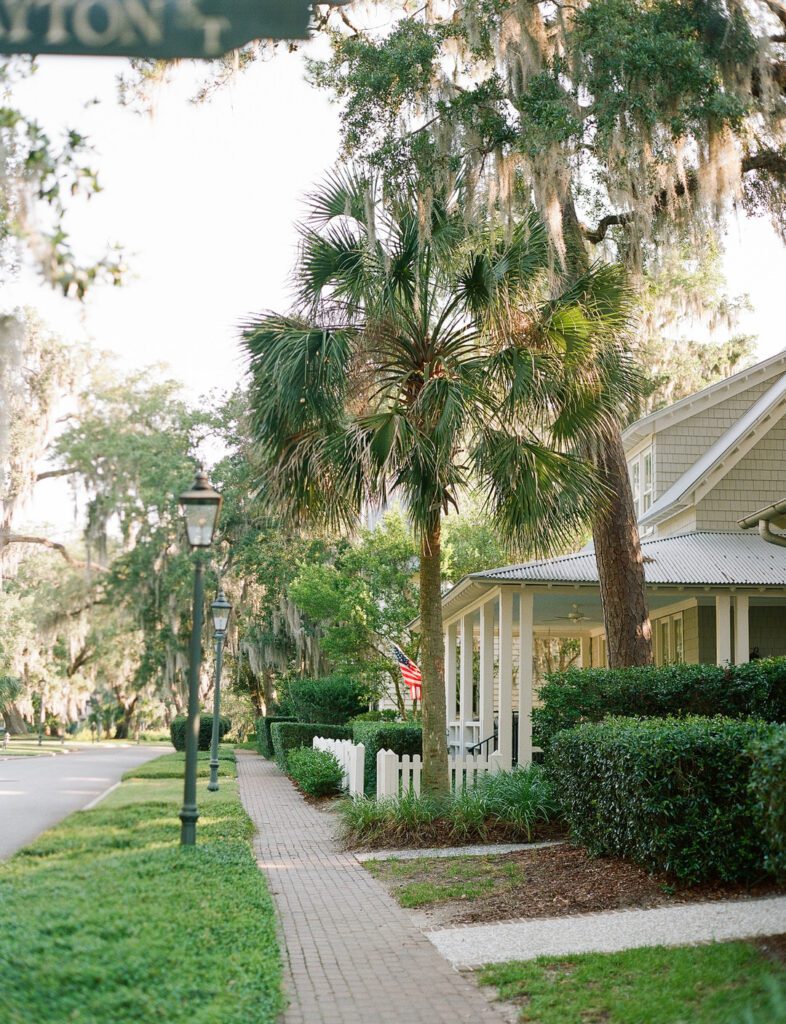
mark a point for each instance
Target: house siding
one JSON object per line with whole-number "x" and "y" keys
{"x": 768, "y": 631}
{"x": 690, "y": 634}
{"x": 706, "y": 618}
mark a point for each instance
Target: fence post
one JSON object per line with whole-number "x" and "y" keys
{"x": 387, "y": 774}
{"x": 357, "y": 770}
{"x": 495, "y": 763}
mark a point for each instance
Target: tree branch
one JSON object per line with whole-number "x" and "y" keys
{"x": 778, "y": 8}
{"x": 18, "y": 538}
{"x": 49, "y": 473}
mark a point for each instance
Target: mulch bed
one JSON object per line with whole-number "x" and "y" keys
{"x": 773, "y": 947}
{"x": 562, "y": 880}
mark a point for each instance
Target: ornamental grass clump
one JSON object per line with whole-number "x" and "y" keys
{"x": 316, "y": 772}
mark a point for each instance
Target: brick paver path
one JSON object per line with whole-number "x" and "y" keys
{"x": 352, "y": 955}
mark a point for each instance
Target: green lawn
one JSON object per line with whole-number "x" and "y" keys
{"x": 171, "y": 766}
{"x": 451, "y": 878}
{"x": 106, "y": 920}
{"x": 715, "y": 984}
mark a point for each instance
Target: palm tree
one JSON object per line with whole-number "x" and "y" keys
{"x": 424, "y": 357}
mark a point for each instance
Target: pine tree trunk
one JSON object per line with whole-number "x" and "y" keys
{"x": 435, "y": 780}
{"x": 620, "y": 565}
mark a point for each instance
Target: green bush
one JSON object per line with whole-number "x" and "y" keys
{"x": 289, "y": 735}
{"x": 177, "y": 731}
{"x": 264, "y": 737}
{"x": 400, "y": 737}
{"x": 754, "y": 690}
{"x": 388, "y": 715}
{"x": 669, "y": 794}
{"x": 332, "y": 700}
{"x": 768, "y": 789}
{"x": 316, "y": 772}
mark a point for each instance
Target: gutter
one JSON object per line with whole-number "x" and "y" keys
{"x": 763, "y": 518}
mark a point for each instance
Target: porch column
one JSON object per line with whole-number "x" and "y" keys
{"x": 505, "y": 745}
{"x": 722, "y": 628}
{"x": 586, "y": 651}
{"x": 487, "y": 670}
{"x": 742, "y": 641}
{"x": 451, "y": 636}
{"x": 465, "y": 682}
{"x": 526, "y": 675}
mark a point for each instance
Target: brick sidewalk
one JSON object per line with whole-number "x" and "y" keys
{"x": 352, "y": 955}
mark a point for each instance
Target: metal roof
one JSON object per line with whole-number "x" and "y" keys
{"x": 689, "y": 559}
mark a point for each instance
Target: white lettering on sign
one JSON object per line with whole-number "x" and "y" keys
{"x": 211, "y": 27}
{"x": 93, "y": 23}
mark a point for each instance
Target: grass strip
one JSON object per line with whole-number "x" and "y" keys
{"x": 723, "y": 983}
{"x": 106, "y": 919}
{"x": 451, "y": 878}
{"x": 172, "y": 766}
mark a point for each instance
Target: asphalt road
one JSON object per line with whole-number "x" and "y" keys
{"x": 37, "y": 792}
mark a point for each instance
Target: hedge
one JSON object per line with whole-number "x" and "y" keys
{"x": 669, "y": 794}
{"x": 753, "y": 690}
{"x": 332, "y": 700}
{"x": 290, "y": 735}
{"x": 316, "y": 772}
{"x": 400, "y": 737}
{"x": 264, "y": 739}
{"x": 177, "y": 731}
{"x": 768, "y": 789}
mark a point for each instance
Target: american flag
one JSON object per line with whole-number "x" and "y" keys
{"x": 409, "y": 672}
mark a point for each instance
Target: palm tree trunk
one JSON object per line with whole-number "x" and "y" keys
{"x": 435, "y": 780}
{"x": 620, "y": 564}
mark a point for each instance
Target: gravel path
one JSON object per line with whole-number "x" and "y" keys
{"x": 436, "y": 852}
{"x": 474, "y": 945}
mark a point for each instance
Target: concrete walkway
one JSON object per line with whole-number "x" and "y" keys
{"x": 474, "y": 945}
{"x": 352, "y": 956}
{"x": 37, "y": 792}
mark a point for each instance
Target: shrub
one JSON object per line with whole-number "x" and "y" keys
{"x": 669, "y": 794}
{"x": 177, "y": 731}
{"x": 753, "y": 690}
{"x": 316, "y": 772}
{"x": 400, "y": 737}
{"x": 264, "y": 737}
{"x": 333, "y": 700}
{"x": 289, "y": 735}
{"x": 388, "y": 715}
{"x": 768, "y": 789}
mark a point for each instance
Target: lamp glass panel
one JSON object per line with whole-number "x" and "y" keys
{"x": 221, "y": 617}
{"x": 200, "y": 524}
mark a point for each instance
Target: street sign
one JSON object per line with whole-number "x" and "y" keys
{"x": 147, "y": 28}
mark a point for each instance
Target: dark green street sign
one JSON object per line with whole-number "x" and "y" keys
{"x": 146, "y": 28}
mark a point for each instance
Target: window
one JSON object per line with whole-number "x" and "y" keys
{"x": 642, "y": 480}
{"x": 635, "y": 483}
{"x": 664, "y": 629}
{"x": 646, "y": 492}
{"x": 669, "y": 640}
{"x": 679, "y": 640}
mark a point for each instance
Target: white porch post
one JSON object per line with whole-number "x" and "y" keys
{"x": 450, "y": 672}
{"x": 722, "y": 628}
{"x": 586, "y": 651}
{"x": 487, "y": 670}
{"x": 465, "y": 682}
{"x": 526, "y": 675}
{"x": 505, "y": 745}
{"x": 742, "y": 642}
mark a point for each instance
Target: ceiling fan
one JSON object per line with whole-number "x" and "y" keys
{"x": 574, "y": 615}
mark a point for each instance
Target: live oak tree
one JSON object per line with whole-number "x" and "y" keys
{"x": 424, "y": 357}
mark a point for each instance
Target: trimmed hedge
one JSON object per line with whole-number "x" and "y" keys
{"x": 316, "y": 772}
{"x": 754, "y": 690}
{"x": 290, "y": 735}
{"x": 768, "y": 789}
{"x": 669, "y": 794}
{"x": 264, "y": 738}
{"x": 177, "y": 731}
{"x": 332, "y": 700}
{"x": 400, "y": 737}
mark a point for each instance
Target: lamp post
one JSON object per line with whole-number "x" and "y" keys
{"x": 221, "y": 609}
{"x": 200, "y": 507}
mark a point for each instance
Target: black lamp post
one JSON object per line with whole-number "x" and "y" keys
{"x": 200, "y": 507}
{"x": 221, "y": 609}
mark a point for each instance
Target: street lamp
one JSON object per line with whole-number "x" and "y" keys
{"x": 200, "y": 507}
{"x": 221, "y": 609}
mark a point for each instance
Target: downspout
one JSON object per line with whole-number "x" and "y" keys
{"x": 765, "y": 532}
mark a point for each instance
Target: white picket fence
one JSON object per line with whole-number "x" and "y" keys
{"x": 396, "y": 776}
{"x": 352, "y": 758}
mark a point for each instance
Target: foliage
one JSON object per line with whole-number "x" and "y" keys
{"x": 471, "y": 543}
{"x": 385, "y": 715}
{"x": 264, "y": 736}
{"x": 316, "y": 772}
{"x": 172, "y": 766}
{"x": 449, "y": 878}
{"x": 768, "y": 789}
{"x": 509, "y": 805}
{"x": 288, "y": 736}
{"x": 756, "y": 689}
{"x": 717, "y": 983}
{"x": 669, "y": 794}
{"x": 177, "y": 731}
{"x": 333, "y": 699}
{"x": 400, "y": 737}
{"x": 125, "y": 854}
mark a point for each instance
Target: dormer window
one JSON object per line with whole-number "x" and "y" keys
{"x": 642, "y": 481}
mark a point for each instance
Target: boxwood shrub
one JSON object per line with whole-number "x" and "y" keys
{"x": 754, "y": 690}
{"x": 768, "y": 789}
{"x": 316, "y": 772}
{"x": 289, "y": 735}
{"x": 332, "y": 700}
{"x": 400, "y": 737}
{"x": 177, "y": 731}
{"x": 669, "y": 794}
{"x": 264, "y": 738}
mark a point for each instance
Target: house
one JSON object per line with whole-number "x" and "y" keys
{"x": 716, "y": 588}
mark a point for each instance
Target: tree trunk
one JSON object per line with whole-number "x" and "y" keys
{"x": 620, "y": 565}
{"x": 435, "y": 781}
{"x": 14, "y": 721}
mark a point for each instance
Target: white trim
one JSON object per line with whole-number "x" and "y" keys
{"x": 526, "y": 674}
{"x": 491, "y": 593}
{"x": 505, "y": 726}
